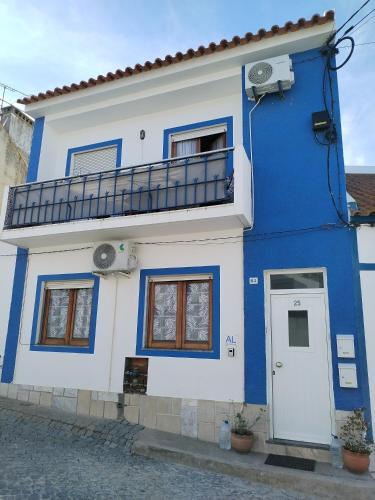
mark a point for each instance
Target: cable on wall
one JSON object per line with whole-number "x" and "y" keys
{"x": 251, "y": 161}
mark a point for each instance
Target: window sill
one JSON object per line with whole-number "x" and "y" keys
{"x": 178, "y": 353}
{"x": 62, "y": 348}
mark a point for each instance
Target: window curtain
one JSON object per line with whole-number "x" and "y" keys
{"x": 186, "y": 148}
{"x": 197, "y": 311}
{"x": 82, "y": 314}
{"x": 57, "y": 313}
{"x": 165, "y": 310}
{"x": 218, "y": 143}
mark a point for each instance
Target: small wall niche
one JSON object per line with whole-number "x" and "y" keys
{"x": 135, "y": 375}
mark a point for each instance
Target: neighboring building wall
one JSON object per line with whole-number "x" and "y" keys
{"x": 366, "y": 257}
{"x": 19, "y": 128}
{"x": 13, "y": 162}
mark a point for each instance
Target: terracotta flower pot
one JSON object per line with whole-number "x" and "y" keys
{"x": 242, "y": 443}
{"x": 355, "y": 462}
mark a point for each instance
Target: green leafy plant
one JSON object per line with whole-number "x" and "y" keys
{"x": 243, "y": 426}
{"x": 354, "y": 434}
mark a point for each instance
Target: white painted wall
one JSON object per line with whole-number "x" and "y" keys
{"x": 55, "y": 144}
{"x": 117, "y": 321}
{"x": 366, "y": 244}
{"x": 366, "y": 253}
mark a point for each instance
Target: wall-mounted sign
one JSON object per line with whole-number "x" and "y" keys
{"x": 253, "y": 280}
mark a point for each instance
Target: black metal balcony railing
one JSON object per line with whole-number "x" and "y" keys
{"x": 191, "y": 181}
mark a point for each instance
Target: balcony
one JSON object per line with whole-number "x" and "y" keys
{"x": 179, "y": 190}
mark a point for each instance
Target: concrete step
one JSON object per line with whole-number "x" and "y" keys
{"x": 326, "y": 482}
{"x": 320, "y": 453}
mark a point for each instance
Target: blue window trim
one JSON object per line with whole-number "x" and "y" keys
{"x": 178, "y": 271}
{"x": 34, "y": 346}
{"x": 225, "y": 120}
{"x": 14, "y": 316}
{"x": 36, "y": 145}
{"x": 367, "y": 266}
{"x": 91, "y": 147}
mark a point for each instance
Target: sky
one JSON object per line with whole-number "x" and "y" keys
{"x": 46, "y": 44}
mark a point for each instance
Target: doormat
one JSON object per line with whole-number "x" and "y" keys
{"x": 291, "y": 462}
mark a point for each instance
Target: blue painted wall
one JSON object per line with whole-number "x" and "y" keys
{"x": 296, "y": 224}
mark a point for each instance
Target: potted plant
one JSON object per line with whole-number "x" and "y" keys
{"x": 356, "y": 448}
{"x": 242, "y": 437}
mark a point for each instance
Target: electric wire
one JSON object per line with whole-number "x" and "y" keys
{"x": 346, "y": 22}
{"x": 218, "y": 240}
{"x": 12, "y": 89}
{"x": 359, "y": 22}
{"x": 329, "y": 51}
{"x": 251, "y": 159}
{"x": 363, "y": 24}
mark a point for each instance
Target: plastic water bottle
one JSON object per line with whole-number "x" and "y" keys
{"x": 224, "y": 436}
{"x": 336, "y": 456}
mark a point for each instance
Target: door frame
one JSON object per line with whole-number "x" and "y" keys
{"x": 268, "y": 333}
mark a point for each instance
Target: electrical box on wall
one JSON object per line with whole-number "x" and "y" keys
{"x": 348, "y": 375}
{"x": 321, "y": 120}
{"x": 345, "y": 346}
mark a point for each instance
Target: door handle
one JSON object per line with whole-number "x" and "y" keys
{"x": 279, "y": 364}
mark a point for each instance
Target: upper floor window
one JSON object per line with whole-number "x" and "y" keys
{"x": 198, "y": 141}
{"x": 66, "y": 313}
{"x": 98, "y": 160}
{"x": 94, "y": 158}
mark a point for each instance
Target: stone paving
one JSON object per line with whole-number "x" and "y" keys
{"x": 49, "y": 454}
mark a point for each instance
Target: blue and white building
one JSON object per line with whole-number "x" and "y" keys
{"x": 232, "y": 278}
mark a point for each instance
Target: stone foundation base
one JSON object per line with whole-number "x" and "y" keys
{"x": 193, "y": 418}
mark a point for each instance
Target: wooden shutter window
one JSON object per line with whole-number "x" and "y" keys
{"x": 179, "y": 321}
{"x": 97, "y": 160}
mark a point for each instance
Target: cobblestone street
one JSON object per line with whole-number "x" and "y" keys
{"x": 46, "y": 453}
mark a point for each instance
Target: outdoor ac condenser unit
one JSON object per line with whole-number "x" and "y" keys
{"x": 270, "y": 75}
{"x": 114, "y": 256}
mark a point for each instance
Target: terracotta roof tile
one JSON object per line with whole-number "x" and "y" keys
{"x": 179, "y": 56}
{"x": 361, "y": 187}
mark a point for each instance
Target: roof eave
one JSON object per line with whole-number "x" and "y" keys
{"x": 213, "y": 48}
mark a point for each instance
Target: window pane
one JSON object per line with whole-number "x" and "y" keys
{"x": 82, "y": 313}
{"x": 212, "y": 142}
{"x": 165, "y": 308}
{"x": 299, "y": 280}
{"x": 197, "y": 311}
{"x": 57, "y": 313}
{"x": 298, "y": 329}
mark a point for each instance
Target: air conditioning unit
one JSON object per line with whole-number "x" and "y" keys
{"x": 114, "y": 256}
{"x": 270, "y": 75}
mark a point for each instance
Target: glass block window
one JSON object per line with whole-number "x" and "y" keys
{"x": 296, "y": 280}
{"x": 66, "y": 314}
{"x": 180, "y": 314}
{"x": 97, "y": 160}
